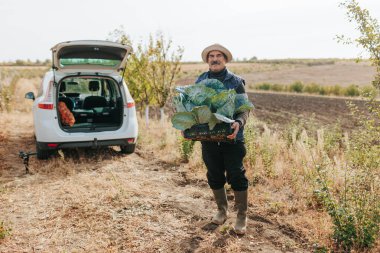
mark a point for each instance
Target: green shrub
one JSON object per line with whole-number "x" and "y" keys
{"x": 296, "y": 87}
{"x": 368, "y": 91}
{"x": 264, "y": 86}
{"x": 251, "y": 143}
{"x": 278, "y": 87}
{"x": 312, "y": 88}
{"x": 186, "y": 148}
{"x": 352, "y": 91}
{"x": 355, "y": 209}
{"x": 336, "y": 90}
{"x": 323, "y": 90}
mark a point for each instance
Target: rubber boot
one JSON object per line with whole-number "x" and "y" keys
{"x": 241, "y": 202}
{"x": 221, "y": 201}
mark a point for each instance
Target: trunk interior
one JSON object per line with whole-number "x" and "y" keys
{"x": 93, "y": 104}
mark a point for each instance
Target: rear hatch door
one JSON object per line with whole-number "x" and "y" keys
{"x": 90, "y": 55}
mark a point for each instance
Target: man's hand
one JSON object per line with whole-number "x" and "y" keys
{"x": 236, "y": 127}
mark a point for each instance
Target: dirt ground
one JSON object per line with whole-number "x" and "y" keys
{"x": 279, "y": 110}
{"x": 101, "y": 201}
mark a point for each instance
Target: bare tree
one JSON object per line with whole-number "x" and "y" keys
{"x": 164, "y": 67}
{"x": 151, "y": 70}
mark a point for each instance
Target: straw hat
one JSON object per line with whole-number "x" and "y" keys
{"x": 216, "y": 47}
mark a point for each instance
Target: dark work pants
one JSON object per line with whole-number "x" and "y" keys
{"x": 224, "y": 162}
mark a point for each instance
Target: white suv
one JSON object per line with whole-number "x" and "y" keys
{"x": 85, "y": 77}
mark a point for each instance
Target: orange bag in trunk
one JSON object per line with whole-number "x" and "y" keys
{"x": 67, "y": 117}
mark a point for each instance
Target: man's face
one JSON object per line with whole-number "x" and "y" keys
{"x": 216, "y": 61}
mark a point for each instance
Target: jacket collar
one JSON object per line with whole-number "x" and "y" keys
{"x": 229, "y": 75}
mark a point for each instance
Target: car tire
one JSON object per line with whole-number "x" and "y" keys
{"x": 42, "y": 154}
{"x": 128, "y": 149}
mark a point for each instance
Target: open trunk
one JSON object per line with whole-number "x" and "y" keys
{"x": 95, "y": 103}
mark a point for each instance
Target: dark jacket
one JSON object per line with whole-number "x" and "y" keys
{"x": 232, "y": 81}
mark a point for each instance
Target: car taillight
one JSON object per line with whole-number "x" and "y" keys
{"x": 131, "y": 140}
{"x": 129, "y": 104}
{"x": 52, "y": 145}
{"x": 47, "y": 101}
{"x": 46, "y": 106}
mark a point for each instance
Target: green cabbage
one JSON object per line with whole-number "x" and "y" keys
{"x": 221, "y": 99}
{"x": 199, "y": 93}
{"x": 197, "y": 104}
{"x": 213, "y": 84}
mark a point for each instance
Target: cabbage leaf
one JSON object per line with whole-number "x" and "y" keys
{"x": 183, "y": 120}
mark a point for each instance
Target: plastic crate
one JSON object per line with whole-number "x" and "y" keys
{"x": 201, "y": 132}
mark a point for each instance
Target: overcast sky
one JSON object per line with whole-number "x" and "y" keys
{"x": 262, "y": 28}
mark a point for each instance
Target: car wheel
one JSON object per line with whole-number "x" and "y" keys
{"x": 42, "y": 154}
{"x": 128, "y": 149}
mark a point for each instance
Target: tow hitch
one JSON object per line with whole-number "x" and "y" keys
{"x": 25, "y": 158}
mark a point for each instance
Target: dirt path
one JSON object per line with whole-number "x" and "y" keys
{"x": 101, "y": 201}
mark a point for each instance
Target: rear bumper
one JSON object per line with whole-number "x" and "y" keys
{"x": 84, "y": 144}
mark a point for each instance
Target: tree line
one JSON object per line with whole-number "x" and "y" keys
{"x": 27, "y": 62}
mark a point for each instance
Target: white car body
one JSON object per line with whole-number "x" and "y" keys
{"x": 50, "y": 132}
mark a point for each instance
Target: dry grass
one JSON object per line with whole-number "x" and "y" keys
{"x": 15, "y": 82}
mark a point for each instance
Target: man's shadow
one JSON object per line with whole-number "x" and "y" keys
{"x": 210, "y": 227}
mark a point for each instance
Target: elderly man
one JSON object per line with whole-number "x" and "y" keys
{"x": 224, "y": 161}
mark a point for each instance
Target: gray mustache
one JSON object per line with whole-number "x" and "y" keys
{"x": 215, "y": 63}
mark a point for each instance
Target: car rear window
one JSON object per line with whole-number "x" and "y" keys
{"x": 82, "y": 61}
